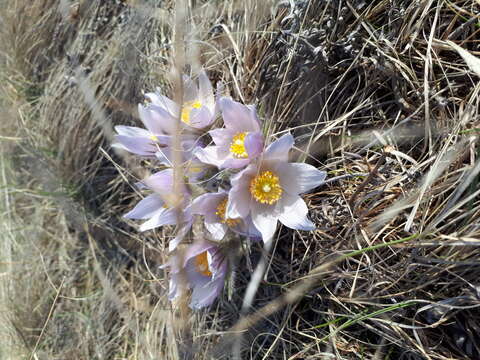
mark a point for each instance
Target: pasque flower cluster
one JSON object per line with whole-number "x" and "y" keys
{"x": 260, "y": 189}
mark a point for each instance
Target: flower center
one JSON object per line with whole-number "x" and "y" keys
{"x": 237, "y": 147}
{"x": 265, "y": 188}
{"x": 187, "y": 110}
{"x": 153, "y": 138}
{"x": 221, "y": 212}
{"x": 201, "y": 264}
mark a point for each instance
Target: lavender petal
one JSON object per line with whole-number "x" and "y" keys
{"x": 238, "y": 117}
{"x": 222, "y": 137}
{"x": 265, "y": 222}
{"x": 254, "y": 144}
{"x": 201, "y": 118}
{"x": 213, "y": 155}
{"x": 146, "y": 208}
{"x": 132, "y": 131}
{"x": 297, "y": 178}
{"x": 163, "y": 102}
{"x": 206, "y": 92}
{"x": 279, "y": 149}
{"x": 161, "y": 182}
{"x": 294, "y": 214}
{"x": 166, "y": 217}
{"x": 139, "y": 146}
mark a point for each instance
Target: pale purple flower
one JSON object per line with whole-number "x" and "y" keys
{"x": 198, "y": 110}
{"x": 213, "y": 207}
{"x": 160, "y": 115}
{"x": 156, "y": 135}
{"x": 269, "y": 189}
{"x": 205, "y": 267}
{"x": 239, "y": 142}
{"x": 140, "y": 141}
{"x": 163, "y": 206}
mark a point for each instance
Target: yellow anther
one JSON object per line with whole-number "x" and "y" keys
{"x": 187, "y": 110}
{"x": 201, "y": 264}
{"x": 265, "y": 188}
{"x": 237, "y": 147}
{"x": 221, "y": 213}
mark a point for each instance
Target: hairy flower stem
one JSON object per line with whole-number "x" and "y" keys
{"x": 178, "y": 65}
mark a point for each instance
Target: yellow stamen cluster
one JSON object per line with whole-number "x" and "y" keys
{"x": 201, "y": 264}
{"x": 237, "y": 147}
{"x": 187, "y": 109}
{"x": 154, "y": 138}
{"x": 221, "y": 213}
{"x": 265, "y": 188}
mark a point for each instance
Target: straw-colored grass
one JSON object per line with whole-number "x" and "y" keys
{"x": 374, "y": 93}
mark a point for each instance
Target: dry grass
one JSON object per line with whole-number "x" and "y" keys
{"x": 374, "y": 95}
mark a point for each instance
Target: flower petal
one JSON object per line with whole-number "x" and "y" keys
{"x": 248, "y": 229}
{"x": 140, "y": 185}
{"x": 279, "y": 149}
{"x": 264, "y": 221}
{"x": 253, "y": 144}
{"x": 167, "y": 217}
{"x": 206, "y": 91}
{"x": 132, "y": 131}
{"x": 162, "y": 101}
{"x": 294, "y": 214}
{"x": 201, "y": 117}
{"x": 216, "y": 229}
{"x": 161, "y": 182}
{"x": 152, "y": 119}
{"x": 146, "y": 208}
{"x": 206, "y": 203}
{"x": 222, "y": 137}
{"x": 238, "y": 205}
{"x": 190, "y": 89}
{"x": 203, "y": 296}
{"x": 297, "y": 178}
{"x": 217, "y": 262}
{"x": 218, "y": 95}
{"x": 136, "y": 145}
{"x": 233, "y": 163}
{"x": 194, "y": 277}
{"x": 238, "y": 117}
{"x": 205, "y": 288}
{"x": 181, "y": 232}
{"x": 239, "y": 197}
{"x": 197, "y": 248}
{"x": 173, "y": 287}
{"x": 164, "y": 156}
{"x": 213, "y": 155}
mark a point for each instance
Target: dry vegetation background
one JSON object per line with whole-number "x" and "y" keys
{"x": 375, "y": 94}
